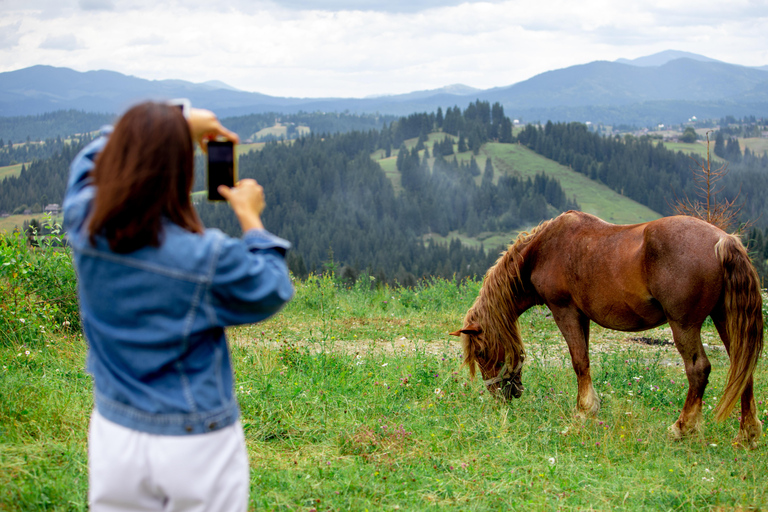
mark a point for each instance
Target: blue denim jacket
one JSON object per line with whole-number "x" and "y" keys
{"x": 154, "y": 318}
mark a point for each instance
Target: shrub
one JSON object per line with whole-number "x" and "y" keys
{"x": 38, "y": 286}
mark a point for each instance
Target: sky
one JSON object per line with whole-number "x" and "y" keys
{"x": 346, "y": 48}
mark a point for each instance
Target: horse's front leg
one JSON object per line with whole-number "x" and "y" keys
{"x": 575, "y": 328}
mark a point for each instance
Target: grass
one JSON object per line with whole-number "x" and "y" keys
{"x": 698, "y": 149}
{"x": 280, "y": 130}
{"x": 8, "y": 224}
{"x": 755, "y": 145}
{"x": 593, "y": 197}
{"x": 514, "y": 159}
{"x": 355, "y": 399}
{"x": 10, "y": 170}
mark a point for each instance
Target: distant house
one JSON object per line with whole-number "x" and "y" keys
{"x": 53, "y": 209}
{"x": 765, "y": 135}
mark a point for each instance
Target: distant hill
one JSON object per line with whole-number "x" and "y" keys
{"x": 668, "y": 87}
{"x": 603, "y": 83}
{"x": 661, "y": 58}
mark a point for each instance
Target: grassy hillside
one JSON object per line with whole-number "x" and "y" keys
{"x": 8, "y": 224}
{"x": 279, "y": 130}
{"x": 698, "y": 148}
{"x": 755, "y": 145}
{"x": 593, "y": 197}
{"x": 10, "y": 170}
{"x": 514, "y": 159}
{"x": 355, "y": 399}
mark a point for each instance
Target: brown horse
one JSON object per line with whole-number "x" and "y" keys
{"x": 629, "y": 278}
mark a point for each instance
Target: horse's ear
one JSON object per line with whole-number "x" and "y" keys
{"x": 472, "y": 328}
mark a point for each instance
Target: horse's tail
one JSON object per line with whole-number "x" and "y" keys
{"x": 744, "y": 319}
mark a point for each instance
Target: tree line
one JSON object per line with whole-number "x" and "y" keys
{"x": 51, "y": 125}
{"x": 11, "y": 154}
{"x": 648, "y": 172}
{"x": 41, "y": 182}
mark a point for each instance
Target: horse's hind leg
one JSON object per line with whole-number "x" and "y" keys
{"x": 575, "y": 329}
{"x": 750, "y": 428}
{"x": 697, "y": 368}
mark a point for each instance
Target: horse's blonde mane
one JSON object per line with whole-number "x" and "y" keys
{"x": 495, "y": 308}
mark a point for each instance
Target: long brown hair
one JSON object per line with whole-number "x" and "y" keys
{"x": 144, "y": 173}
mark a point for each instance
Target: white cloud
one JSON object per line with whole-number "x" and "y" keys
{"x": 327, "y": 48}
{"x": 67, "y": 42}
{"x": 9, "y": 35}
{"x": 148, "y": 40}
{"x": 96, "y": 5}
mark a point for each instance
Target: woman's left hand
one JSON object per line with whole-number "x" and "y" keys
{"x": 205, "y": 126}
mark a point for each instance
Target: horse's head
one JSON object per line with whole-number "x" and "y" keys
{"x": 500, "y": 372}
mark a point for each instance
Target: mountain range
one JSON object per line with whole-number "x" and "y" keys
{"x": 668, "y": 87}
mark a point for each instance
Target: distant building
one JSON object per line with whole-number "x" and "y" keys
{"x": 53, "y": 209}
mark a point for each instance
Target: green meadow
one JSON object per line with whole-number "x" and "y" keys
{"x": 518, "y": 160}
{"x": 354, "y": 398}
{"x": 10, "y": 170}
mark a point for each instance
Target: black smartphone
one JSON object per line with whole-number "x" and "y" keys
{"x": 222, "y": 167}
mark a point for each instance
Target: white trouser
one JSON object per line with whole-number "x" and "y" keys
{"x": 132, "y": 470}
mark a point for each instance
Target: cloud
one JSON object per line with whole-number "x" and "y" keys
{"x": 67, "y": 42}
{"x": 9, "y": 35}
{"x": 355, "y": 48}
{"x": 391, "y": 6}
{"x": 148, "y": 40}
{"x": 96, "y": 5}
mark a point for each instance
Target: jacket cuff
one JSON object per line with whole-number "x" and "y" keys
{"x": 261, "y": 239}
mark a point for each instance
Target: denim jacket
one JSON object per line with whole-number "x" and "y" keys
{"x": 154, "y": 318}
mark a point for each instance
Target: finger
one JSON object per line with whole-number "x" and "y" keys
{"x": 225, "y": 191}
{"x": 229, "y": 135}
{"x": 247, "y": 182}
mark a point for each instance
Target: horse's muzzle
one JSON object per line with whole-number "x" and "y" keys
{"x": 512, "y": 387}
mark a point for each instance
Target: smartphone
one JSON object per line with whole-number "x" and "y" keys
{"x": 222, "y": 167}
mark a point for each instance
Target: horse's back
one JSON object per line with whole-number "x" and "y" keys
{"x": 629, "y": 277}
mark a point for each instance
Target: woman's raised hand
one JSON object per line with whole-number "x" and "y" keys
{"x": 247, "y": 201}
{"x": 205, "y": 126}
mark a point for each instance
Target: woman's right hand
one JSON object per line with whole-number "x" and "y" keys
{"x": 247, "y": 201}
{"x": 205, "y": 126}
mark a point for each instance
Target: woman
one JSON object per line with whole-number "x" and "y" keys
{"x": 156, "y": 290}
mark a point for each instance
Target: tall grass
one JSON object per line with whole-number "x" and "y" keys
{"x": 354, "y": 398}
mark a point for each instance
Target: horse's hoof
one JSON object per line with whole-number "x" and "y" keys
{"x": 749, "y": 435}
{"x": 674, "y": 432}
{"x": 587, "y": 414}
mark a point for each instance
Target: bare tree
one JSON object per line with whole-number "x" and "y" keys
{"x": 723, "y": 214}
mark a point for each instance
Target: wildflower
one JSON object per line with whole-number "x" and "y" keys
{"x": 22, "y": 320}
{"x": 385, "y": 364}
{"x": 552, "y": 461}
{"x": 437, "y": 391}
{"x": 26, "y": 352}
